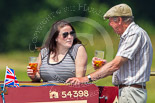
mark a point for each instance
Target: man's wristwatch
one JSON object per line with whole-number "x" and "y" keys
{"x": 89, "y": 77}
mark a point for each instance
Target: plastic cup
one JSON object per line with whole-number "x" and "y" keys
{"x": 99, "y": 54}
{"x": 33, "y": 63}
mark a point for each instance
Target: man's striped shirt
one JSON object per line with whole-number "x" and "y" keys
{"x": 135, "y": 45}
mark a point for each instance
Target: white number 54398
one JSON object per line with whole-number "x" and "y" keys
{"x": 75, "y": 94}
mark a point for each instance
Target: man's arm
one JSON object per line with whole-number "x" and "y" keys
{"x": 109, "y": 68}
{"x": 102, "y": 72}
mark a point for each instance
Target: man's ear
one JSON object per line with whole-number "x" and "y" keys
{"x": 120, "y": 20}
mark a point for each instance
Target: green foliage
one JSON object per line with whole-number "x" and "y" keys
{"x": 148, "y": 25}
{"x": 22, "y": 26}
{"x": 21, "y": 29}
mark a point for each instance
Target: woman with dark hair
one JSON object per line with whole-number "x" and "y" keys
{"x": 63, "y": 56}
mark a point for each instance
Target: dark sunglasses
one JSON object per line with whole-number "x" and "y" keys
{"x": 65, "y": 34}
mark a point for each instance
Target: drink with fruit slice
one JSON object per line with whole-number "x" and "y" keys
{"x": 33, "y": 63}
{"x": 99, "y": 54}
{"x": 98, "y": 63}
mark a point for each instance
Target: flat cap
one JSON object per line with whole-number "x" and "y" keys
{"x": 118, "y": 10}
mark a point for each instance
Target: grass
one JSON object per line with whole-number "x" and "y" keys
{"x": 18, "y": 61}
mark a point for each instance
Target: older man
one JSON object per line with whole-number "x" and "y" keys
{"x": 132, "y": 63}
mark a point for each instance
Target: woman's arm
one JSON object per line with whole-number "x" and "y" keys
{"x": 39, "y": 62}
{"x": 81, "y": 62}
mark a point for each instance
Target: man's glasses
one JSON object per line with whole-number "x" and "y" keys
{"x": 65, "y": 34}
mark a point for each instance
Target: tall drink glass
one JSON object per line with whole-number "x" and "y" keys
{"x": 99, "y": 54}
{"x": 33, "y": 63}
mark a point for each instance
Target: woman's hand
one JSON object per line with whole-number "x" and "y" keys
{"x": 98, "y": 62}
{"x": 34, "y": 75}
{"x": 30, "y": 72}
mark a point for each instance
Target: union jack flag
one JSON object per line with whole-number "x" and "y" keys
{"x": 10, "y": 78}
{"x": 16, "y": 83}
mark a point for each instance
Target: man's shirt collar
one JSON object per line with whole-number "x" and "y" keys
{"x": 126, "y": 31}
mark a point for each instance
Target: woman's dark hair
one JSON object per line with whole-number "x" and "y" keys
{"x": 50, "y": 43}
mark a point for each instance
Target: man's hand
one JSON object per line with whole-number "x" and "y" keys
{"x": 98, "y": 62}
{"x": 77, "y": 80}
